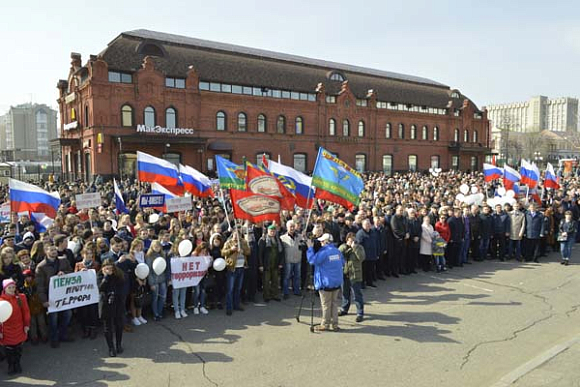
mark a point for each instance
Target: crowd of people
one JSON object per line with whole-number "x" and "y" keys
{"x": 404, "y": 223}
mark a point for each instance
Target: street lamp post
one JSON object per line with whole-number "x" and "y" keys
{"x": 538, "y": 157}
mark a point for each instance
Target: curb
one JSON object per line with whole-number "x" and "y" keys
{"x": 531, "y": 365}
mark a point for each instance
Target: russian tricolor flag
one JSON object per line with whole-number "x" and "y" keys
{"x": 39, "y": 204}
{"x": 157, "y": 188}
{"x": 155, "y": 170}
{"x": 550, "y": 178}
{"x": 119, "y": 201}
{"x": 195, "y": 182}
{"x": 510, "y": 178}
{"x": 491, "y": 172}
{"x": 530, "y": 174}
{"x": 304, "y": 192}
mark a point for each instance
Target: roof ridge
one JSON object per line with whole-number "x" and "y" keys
{"x": 296, "y": 59}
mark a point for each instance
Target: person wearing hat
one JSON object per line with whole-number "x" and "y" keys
{"x": 38, "y": 328}
{"x": 271, "y": 259}
{"x": 328, "y": 264}
{"x": 26, "y": 244}
{"x": 14, "y": 331}
{"x": 354, "y": 255}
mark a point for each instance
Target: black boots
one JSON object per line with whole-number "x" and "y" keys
{"x": 13, "y": 355}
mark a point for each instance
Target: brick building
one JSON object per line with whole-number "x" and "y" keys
{"x": 187, "y": 100}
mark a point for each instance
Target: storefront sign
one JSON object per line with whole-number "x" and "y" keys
{"x": 161, "y": 130}
{"x": 72, "y": 125}
{"x": 70, "y": 98}
{"x": 188, "y": 271}
{"x": 72, "y": 290}
{"x": 151, "y": 200}
{"x": 179, "y": 204}
{"x": 89, "y": 200}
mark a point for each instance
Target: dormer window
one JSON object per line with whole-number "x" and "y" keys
{"x": 336, "y": 76}
{"x": 151, "y": 49}
{"x": 455, "y": 94}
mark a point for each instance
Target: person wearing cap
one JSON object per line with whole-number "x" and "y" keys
{"x": 14, "y": 331}
{"x": 38, "y": 328}
{"x": 271, "y": 259}
{"x": 8, "y": 240}
{"x": 354, "y": 256}
{"x": 328, "y": 265}
{"x": 58, "y": 321}
{"x": 26, "y": 244}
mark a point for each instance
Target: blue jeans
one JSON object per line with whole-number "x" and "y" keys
{"x": 158, "y": 297}
{"x": 517, "y": 246}
{"x": 58, "y": 323}
{"x": 464, "y": 251}
{"x": 179, "y": 299}
{"x": 291, "y": 270}
{"x": 483, "y": 248}
{"x": 199, "y": 294}
{"x": 234, "y": 282}
{"x": 358, "y": 297}
{"x": 566, "y": 248}
{"x": 439, "y": 261}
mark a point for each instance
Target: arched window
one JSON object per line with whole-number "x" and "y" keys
{"x": 435, "y": 133}
{"x": 475, "y": 136}
{"x": 332, "y": 127}
{"x": 126, "y": 115}
{"x": 412, "y": 163}
{"x": 361, "y": 128}
{"x": 413, "y": 132}
{"x": 242, "y": 122}
{"x": 425, "y": 133}
{"x": 170, "y": 118}
{"x": 345, "y": 128}
{"x": 335, "y": 76}
{"x": 456, "y": 135}
{"x": 299, "y": 125}
{"x": 281, "y": 125}
{"x": 149, "y": 118}
{"x": 220, "y": 121}
{"x": 401, "y": 131}
{"x": 388, "y": 133}
{"x": 465, "y": 135}
{"x": 261, "y": 123}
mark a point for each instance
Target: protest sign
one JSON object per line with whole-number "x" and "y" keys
{"x": 72, "y": 290}
{"x": 151, "y": 200}
{"x": 88, "y": 200}
{"x": 5, "y": 213}
{"x": 188, "y": 271}
{"x": 178, "y": 204}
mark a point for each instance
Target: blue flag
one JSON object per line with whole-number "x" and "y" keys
{"x": 231, "y": 175}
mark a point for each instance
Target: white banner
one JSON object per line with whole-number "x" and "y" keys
{"x": 188, "y": 271}
{"x": 72, "y": 290}
{"x": 88, "y": 200}
{"x": 179, "y": 204}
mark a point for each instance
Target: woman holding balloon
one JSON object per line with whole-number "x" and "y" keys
{"x": 14, "y": 324}
{"x": 157, "y": 278}
{"x": 111, "y": 286}
{"x": 181, "y": 248}
{"x": 202, "y": 250}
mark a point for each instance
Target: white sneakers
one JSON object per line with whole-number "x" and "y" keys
{"x": 183, "y": 314}
{"x": 203, "y": 310}
{"x": 177, "y": 315}
{"x": 142, "y": 320}
{"x": 196, "y": 310}
{"x": 136, "y": 322}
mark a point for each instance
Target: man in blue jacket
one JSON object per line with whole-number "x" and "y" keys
{"x": 328, "y": 265}
{"x": 501, "y": 231}
{"x": 535, "y": 229}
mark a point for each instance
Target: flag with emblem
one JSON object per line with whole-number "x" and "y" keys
{"x": 230, "y": 175}
{"x": 260, "y": 180}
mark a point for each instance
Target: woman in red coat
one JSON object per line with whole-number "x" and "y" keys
{"x": 13, "y": 332}
{"x": 442, "y": 227}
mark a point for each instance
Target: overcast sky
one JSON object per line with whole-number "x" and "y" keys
{"x": 493, "y": 51}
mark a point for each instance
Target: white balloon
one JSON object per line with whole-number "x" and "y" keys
{"x": 491, "y": 202}
{"x": 73, "y": 246}
{"x": 114, "y": 224}
{"x": 5, "y": 311}
{"x": 460, "y": 197}
{"x": 185, "y": 248}
{"x": 208, "y": 261}
{"x": 474, "y": 189}
{"x": 512, "y": 201}
{"x": 464, "y": 189}
{"x": 219, "y": 264}
{"x": 159, "y": 265}
{"x": 501, "y": 191}
{"x": 153, "y": 218}
{"x": 479, "y": 197}
{"x": 142, "y": 271}
{"x": 438, "y": 170}
{"x": 510, "y": 193}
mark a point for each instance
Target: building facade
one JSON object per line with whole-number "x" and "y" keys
{"x": 26, "y": 131}
{"x": 188, "y": 100}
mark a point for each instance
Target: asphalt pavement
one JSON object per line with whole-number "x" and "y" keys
{"x": 487, "y": 324}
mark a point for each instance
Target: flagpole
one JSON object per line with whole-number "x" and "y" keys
{"x": 527, "y": 193}
{"x": 225, "y": 209}
{"x": 308, "y": 201}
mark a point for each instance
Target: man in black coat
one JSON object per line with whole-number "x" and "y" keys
{"x": 456, "y": 239}
{"x": 475, "y": 231}
{"x": 486, "y": 231}
{"x": 414, "y": 229}
{"x": 400, "y": 235}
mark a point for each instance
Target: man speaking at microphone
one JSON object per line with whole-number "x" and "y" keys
{"x": 328, "y": 265}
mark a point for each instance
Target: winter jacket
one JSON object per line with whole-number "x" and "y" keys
{"x": 474, "y": 226}
{"x": 47, "y": 269}
{"x": 231, "y": 256}
{"x": 399, "y": 226}
{"x": 369, "y": 241}
{"x": 535, "y": 225}
{"x": 456, "y": 229}
{"x": 13, "y": 328}
{"x": 570, "y": 228}
{"x": 501, "y": 223}
{"x": 426, "y": 239}
{"x": 328, "y": 267}
{"x": 414, "y": 229}
{"x": 154, "y": 278}
{"x": 443, "y": 229}
{"x": 486, "y": 226}
{"x": 112, "y": 294}
{"x": 14, "y": 271}
{"x": 517, "y": 225}
{"x": 264, "y": 251}
{"x": 34, "y": 304}
{"x": 293, "y": 246}
{"x": 354, "y": 258}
